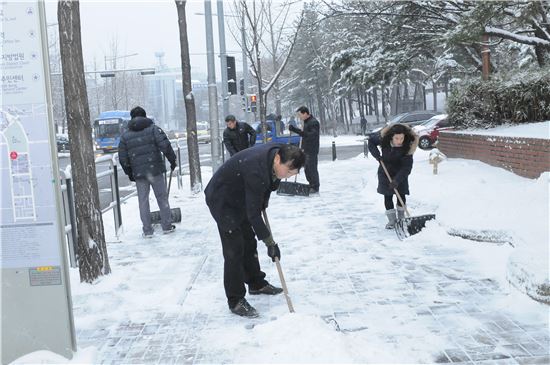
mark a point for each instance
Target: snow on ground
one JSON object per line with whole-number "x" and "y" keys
{"x": 341, "y": 140}
{"x": 530, "y": 130}
{"x": 338, "y": 261}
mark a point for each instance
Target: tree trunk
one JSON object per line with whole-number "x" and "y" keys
{"x": 322, "y": 118}
{"x": 93, "y": 260}
{"x": 369, "y": 108}
{"x": 434, "y": 89}
{"x": 375, "y": 100}
{"x": 360, "y": 103}
{"x": 350, "y": 104}
{"x": 189, "y": 98}
{"x": 424, "y": 96}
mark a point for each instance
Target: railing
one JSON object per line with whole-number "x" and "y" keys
{"x": 67, "y": 193}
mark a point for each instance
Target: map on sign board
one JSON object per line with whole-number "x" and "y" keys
{"x": 20, "y": 172}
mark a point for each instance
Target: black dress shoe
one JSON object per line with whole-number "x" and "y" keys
{"x": 268, "y": 290}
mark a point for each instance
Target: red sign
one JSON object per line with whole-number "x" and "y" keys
{"x": 13, "y": 155}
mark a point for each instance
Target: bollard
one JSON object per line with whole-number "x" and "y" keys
{"x": 180, "y": 184}
{"x": 365, "y": 147}
{"x": 333, "y": 150}
{"x": 117, "y": 195}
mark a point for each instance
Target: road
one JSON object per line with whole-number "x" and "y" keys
{"x": 127, "y": 187}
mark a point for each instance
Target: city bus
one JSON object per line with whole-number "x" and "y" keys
{"x": 108, "y": 128}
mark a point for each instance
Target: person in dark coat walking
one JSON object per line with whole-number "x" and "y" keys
{"x": 363, "y": 125}
{"x": 397, "y": 143}
{"x": 310, "y": 143}
{"x": 140, "y": 154}
{"x": 236, "y": 195}
{"x": 238, "y": 135}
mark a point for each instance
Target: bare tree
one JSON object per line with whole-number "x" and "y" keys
{"x": 93, "y": 260}
{"x": 255, "y": 14}
{"x": 192, "y": 141}
{"x": 276, "y": 24}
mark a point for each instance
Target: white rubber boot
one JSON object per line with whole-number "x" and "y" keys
{"x": 392, "y": 218}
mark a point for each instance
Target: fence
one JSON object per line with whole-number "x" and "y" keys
{"x": 67, "y": 193}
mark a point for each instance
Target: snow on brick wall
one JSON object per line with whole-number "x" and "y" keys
{"x": 527, "y": 157}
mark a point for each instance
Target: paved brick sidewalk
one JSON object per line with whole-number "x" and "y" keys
{"x": 357, "y": 274}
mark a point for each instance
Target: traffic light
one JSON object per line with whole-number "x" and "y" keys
{"x": 241, "y": 86}
{"x": 253, "y": 103}
{"x": 231, "y": 76}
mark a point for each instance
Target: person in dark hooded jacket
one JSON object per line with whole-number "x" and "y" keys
{"x": 397, "y": 143}
{"x": 236, "y": 195}
{"x": 140, "y": 154}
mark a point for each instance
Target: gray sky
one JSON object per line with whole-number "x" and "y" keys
{"x": 146, "y": 27}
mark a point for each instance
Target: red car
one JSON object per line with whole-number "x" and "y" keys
{"x": 428, "y": 131}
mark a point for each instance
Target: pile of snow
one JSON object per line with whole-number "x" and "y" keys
{"x": 531, "y": 130}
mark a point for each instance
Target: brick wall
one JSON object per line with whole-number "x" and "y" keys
{"x": 528, "y": 157}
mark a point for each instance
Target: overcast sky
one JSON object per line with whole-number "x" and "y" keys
{"x": 146, "y": 27}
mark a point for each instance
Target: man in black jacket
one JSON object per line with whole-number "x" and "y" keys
{"x": 238, "y": 135}
{"x": 140, "y": 154}
{"x": 310, "y": 144}
{"x": 236, "y": 195}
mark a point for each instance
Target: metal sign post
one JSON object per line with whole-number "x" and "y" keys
{"x": 36, "y": 300}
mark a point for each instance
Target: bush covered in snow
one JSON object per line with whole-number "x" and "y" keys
{"x": 521, "y": 98}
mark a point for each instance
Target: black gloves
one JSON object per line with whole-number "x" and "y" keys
{"x": 272, "y": 248}
{"x": 393, "y": 185}
{"x": 173, "y": 165}
{"x": 273, "y": 251}
{"x": 293, "y": 129}
{"x": 130, "y": 174}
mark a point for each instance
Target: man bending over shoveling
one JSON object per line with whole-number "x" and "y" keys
{"x": 236, "y": 195}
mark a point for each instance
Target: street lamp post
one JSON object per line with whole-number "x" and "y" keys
{"x": 212, "y": 89}
{"x": 223, "y": 59}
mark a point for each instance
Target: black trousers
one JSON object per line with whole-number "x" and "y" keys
{"x": 388, "y": 201}
{"x": 312, "y": 175}
{"x": 241, "y": 263}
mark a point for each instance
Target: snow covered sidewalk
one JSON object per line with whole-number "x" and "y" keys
{"x": 431, "y": 298}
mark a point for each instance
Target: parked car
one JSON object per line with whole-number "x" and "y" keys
{"x": 428, "y": 132}
{"x": 410, "y": 118}
{"x": 203, "y": 132}
{"x": 62, "y": 143}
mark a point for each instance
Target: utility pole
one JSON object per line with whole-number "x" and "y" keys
{"x": 212, "y": 89}
{"x": 223, "y": 59}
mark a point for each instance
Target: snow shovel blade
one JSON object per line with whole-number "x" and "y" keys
{"x": 412, "y": 225}
{"x": 176, "y": 216}
{"x": 293, "y": 188}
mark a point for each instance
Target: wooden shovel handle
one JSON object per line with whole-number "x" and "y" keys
{"x": 280, "y": 270}
{"x": 395, "y": 190}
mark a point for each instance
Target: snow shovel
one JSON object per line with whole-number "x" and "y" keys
{"x": 175, "y": 212}
{"x": 410, "y": 225}
{"x": 280, "y": 270}
{"x": 293, "y": 188}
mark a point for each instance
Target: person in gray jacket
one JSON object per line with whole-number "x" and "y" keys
{"x": 140, "y": 154}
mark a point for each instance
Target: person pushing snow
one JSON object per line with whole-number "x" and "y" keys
{"x": 397, "y": 143}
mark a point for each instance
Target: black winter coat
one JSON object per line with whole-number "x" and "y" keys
{"x": 240, "y": 189}
{"x": 398, "y": 161}
{"x": 140, "y": 147}
{"x": 240, "y": 138}
{"x": 310, "y": 135}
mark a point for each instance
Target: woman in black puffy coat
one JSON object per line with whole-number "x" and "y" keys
{"x": 394, "y": 145}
